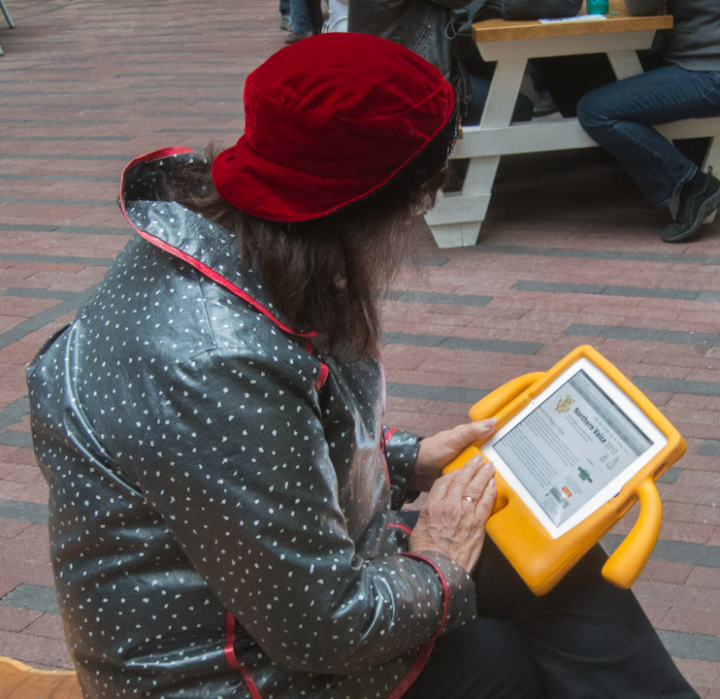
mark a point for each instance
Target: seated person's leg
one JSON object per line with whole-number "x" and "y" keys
{"x": 588, "y": 638}
{"x": 487, "y": 659}
{"x": 619, "y": 117}
{"x": 304, "y": 19}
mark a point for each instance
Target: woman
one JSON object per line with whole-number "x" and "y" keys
{"x": 620, "y": 116}
{"x": 223, "y": 495}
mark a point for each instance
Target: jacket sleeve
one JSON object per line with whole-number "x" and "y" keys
{"x": 240, "y": 472}
{"x": 401, "y": 450}
{"x": 645, "y": 7}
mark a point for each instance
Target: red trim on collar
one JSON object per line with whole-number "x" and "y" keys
{"x": 232, "y": 660}
{"x": 147, "y": 157}
{"x": 324, "y": 371}
{"x": 193, "y": 262}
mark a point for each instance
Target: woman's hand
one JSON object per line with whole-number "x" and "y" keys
{"x": 453, "y": 519}
{"x": 440, "y": 449}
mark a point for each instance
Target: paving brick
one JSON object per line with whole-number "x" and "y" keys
{"x": 705, "y": 577}
{"x": 50, "y": 652}
{"x": 17, "y": 456}
{"x": 24, "y": 511}
{"x": 17, "y": 619}
{"x": 47, "y": 626}
{"x": 702, "y": 514}
{"x": 700, "y": 673}
{"x": 30, "y": 492}
{"x": 38, "y": 597}
{"x": 10, "y": 528}
{"x": 665, "y": 571}
{"x": 697, "y": 621}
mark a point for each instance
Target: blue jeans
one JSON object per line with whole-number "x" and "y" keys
{"x": 284, "y": 7}
{"x": 619, "y": 117}
{"x": 306, "y": 16}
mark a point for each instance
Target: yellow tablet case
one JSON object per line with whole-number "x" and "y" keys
{"x": 540, "y": 560}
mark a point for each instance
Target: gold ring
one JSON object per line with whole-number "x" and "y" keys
{"x": 469, "y": 499}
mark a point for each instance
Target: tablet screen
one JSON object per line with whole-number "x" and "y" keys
{"x": 571, "y": 446}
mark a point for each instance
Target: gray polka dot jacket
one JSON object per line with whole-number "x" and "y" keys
{"x": 222, "y": 495}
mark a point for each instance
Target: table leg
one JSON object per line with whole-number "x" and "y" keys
{"x": 625, "y": 64}
{"x": 711, "y": 163}
{"x": 457, "y": 217}
{"x": 4, "y": 9}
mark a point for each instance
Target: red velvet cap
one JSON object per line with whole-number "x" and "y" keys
{"x": 328, "y": 121}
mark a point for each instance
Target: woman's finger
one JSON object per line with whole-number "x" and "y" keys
{"x": 458, "y": 481}
{"x": 476, "y": 487}
{"x": 443, "y": 484}
{"x": 485, "y": 504}
{"x": 473, "y": 431}
{"x": 462, "y": 435}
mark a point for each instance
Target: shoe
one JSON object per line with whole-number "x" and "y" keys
{"x": 286, "y": 23}
{"x": 693, "y": 210}
{"x": 297, "y": 37}
{"x": 544, "y": 105}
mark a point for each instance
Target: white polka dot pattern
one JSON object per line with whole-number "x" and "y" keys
{"x": 194, "y": 469}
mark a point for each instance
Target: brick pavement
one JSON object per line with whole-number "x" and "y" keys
{"x": 569, "y": 254}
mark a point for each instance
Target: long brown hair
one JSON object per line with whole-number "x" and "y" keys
{"x": 327, "y": 274}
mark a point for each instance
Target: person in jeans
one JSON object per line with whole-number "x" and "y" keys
{"x": 620, "y": 116}
{"x": 307, "y": 19}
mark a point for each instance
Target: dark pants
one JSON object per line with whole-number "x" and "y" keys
{"x": 307, "y": 16}
{"x": 586, "y": 639}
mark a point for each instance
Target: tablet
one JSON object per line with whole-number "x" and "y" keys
{"x": 571, "y": 448}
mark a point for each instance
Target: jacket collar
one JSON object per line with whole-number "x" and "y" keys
{"x": 206, "y": 246}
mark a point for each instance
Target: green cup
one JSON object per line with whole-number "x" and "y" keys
{"x": 597, "y": 7}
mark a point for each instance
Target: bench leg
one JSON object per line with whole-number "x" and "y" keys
{"x": 712, "y": 164}
{"x": 457, "y": 217}
{"x": 7, "y": 15}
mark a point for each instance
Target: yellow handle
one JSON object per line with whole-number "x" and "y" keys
{"x": 490, "y": 405}
{"x": 501, "y": 396}
{"x": 626, "y": 563}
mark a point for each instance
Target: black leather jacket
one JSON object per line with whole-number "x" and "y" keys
{"x": 419, "y": 25}
{"x": 221, "y": 493}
